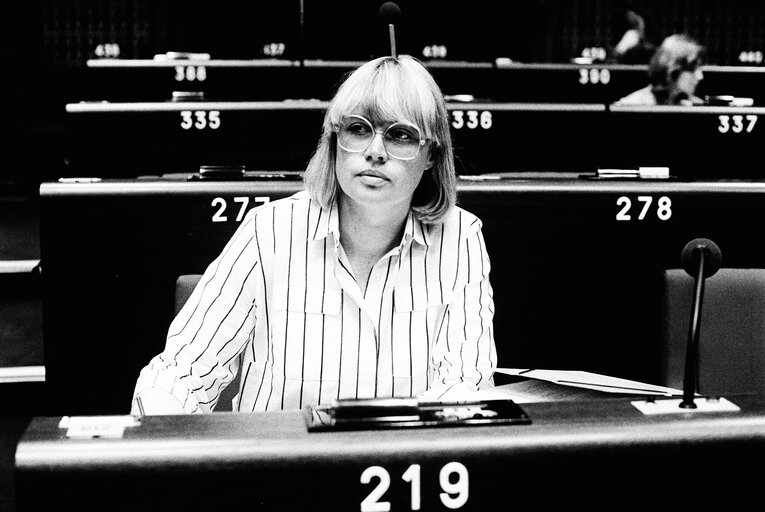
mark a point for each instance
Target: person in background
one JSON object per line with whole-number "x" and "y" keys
{"x": 635, "y": 45}
{"x": 674, "y": 73}
{"x": 371, "y": 282}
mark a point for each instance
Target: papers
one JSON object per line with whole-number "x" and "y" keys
{"x": 594, "y": 381}
{"x": 641, "y": 172}
{"x": 89, "y": 427}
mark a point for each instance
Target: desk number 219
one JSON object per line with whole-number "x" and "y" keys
{"x": 455, "y": 493}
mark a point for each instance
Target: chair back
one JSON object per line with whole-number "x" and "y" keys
{"x": 184, "y": 285}
{"x": 732, "y": 330}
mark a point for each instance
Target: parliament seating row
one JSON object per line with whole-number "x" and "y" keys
{"x": 528, "y": 31}
{"x": 280, "y": 79}
{"x": 577, "y": 268}
{"x": 594, "y": 454}
{"x": 125, "y": 140}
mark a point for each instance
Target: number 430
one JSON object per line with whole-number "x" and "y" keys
{"x": 455, "y": 493}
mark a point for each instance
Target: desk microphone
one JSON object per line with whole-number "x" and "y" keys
{"x": 390, "y": 12}
{"x": 701, "y": 258}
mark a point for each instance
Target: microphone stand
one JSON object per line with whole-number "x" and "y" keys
{"x": 392, "y": 37}
{"x": 691, "y": 354}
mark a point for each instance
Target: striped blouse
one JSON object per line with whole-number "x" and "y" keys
{"x": 281, "y": 306}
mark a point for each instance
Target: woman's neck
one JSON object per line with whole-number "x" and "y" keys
{"x": 368, "y": 230}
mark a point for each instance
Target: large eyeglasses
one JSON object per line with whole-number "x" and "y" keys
{"x": 401, "y": 140}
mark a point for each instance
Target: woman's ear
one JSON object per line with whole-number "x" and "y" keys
{"x": 431, "y": 158}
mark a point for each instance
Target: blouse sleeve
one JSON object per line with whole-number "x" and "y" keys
{"x": 465, "y": 355}
{"x": 206, "y": 338}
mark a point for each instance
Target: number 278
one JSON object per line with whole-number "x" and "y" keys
{"x": 663, "y": 207}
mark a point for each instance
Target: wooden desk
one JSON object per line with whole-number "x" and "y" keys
{"x": 594, "y": 454}
{"x": 126, "y": 140}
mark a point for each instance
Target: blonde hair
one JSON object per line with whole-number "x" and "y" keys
{"x": 390, "y": 89}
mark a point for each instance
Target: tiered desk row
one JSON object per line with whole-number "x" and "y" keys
{"x": 566, "y": 243}
{"x": 505, "y": 118}
{"x": 594, "y": 455}
{"x": 577, "y": 270}
{"x": 577, "y": 266}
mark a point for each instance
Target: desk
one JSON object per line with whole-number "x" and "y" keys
{"x": 700, "y": 142}
{"x": 125, "y": 140}
{"x": 11, "y": 429}
{"x": 594, "y": 453}
{"x": 125, "y": 80}
{"x": 122, "y": 140}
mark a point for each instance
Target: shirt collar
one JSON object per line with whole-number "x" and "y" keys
{"x": 416, "y": 229}
{"x": 329, "y": 224}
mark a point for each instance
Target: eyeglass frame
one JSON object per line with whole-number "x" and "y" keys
{"x": 421, "y": 142}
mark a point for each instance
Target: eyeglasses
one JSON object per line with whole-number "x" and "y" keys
{"x": 401, "y": 140}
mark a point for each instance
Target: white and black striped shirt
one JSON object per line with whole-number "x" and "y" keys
{"x": 280, "y": 304}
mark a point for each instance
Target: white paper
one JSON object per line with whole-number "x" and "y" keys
{"x": 96, "y": 426}
{"x": 589, "y": 380}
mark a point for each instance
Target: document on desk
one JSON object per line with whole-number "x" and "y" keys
{"x": 589, "y": 380}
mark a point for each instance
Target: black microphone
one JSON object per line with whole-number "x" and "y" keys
{"x": 701, "y": 258}
{"x": 390, "y": 12}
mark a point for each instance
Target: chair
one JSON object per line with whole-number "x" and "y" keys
{"x": 184, "y": 285}
{"x": 732, "y": 337}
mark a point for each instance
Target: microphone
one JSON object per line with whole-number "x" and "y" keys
{"x": 389, "y": 13}
{"x": 700, "y": 258}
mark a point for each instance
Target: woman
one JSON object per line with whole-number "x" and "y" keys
{"x": 674, "y": 72}
{"x": 369, "y": 283}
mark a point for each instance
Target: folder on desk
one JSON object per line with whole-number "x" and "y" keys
{"x": 388, "y": 413}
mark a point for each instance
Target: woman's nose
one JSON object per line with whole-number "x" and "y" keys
{"x": 376, "y": 149}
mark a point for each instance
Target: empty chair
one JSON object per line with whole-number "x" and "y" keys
{"x": 732, "y": 330}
